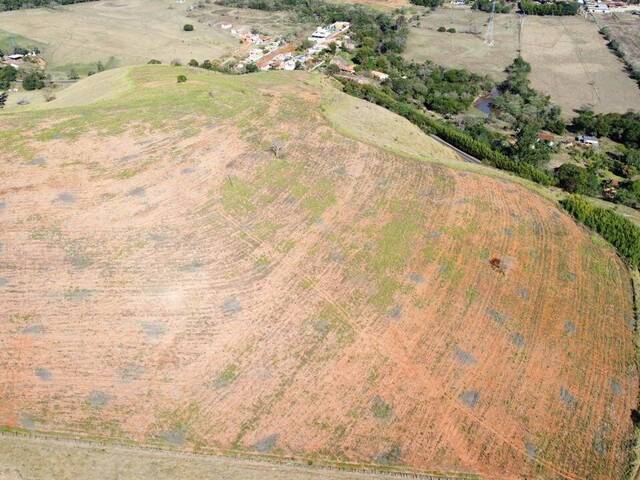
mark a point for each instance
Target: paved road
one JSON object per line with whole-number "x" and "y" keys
{"x": 463, "y": 155}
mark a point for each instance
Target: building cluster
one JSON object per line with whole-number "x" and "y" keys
{"x": 17, "y": 60}
{"x": 608, "y": 6}
{"x": 277, "y": 54}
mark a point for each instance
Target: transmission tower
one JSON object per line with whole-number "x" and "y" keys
{"x": 488, "y": 39}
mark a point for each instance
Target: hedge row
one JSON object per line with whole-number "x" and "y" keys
{"x": 623, "y": 234}
{"x": 447, "y": 132}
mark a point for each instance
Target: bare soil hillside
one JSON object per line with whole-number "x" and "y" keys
{"x": 212, "y": 266}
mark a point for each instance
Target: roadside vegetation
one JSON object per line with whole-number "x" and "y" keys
{"x": 553, "y": 8}
{"x": 19, "y": 4}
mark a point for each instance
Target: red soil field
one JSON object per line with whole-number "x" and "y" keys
{"x": 336, "y": 303}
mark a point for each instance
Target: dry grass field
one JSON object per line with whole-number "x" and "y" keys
{"x": 167, "y": 280}
{"x": 467, "y": 47}
{"x": 570, "y": 60}
{"x": 126, "y": 32}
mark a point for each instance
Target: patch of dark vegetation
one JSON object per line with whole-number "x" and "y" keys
{"x": 37, "y": 162}
{"x": 569, "y": 327}
{"x": 416, "y": 278}
{"x": 175, "y": 436}
{"x": 392, "y": 456}
{"x": 470, "y": 398}
{"x": 517, "y": 339}
{"x": 566, "y": 396}
{"x": 231, "y": 305}
{"x": 35, "y": 329}
{"x": 266, "y": 444}
{"x": 226, "y": 377}
{"x": 497, "y": 316}
{"x": 616, "y": 388}
{"x": 532, "y": 450}
{"x": 154, "y": 329}
{"x": 98, "y": 399}
{"x": 137, "y": 192}
{"x": 27, "y": 422}
{"x": 44, "y": 374}
{"x": 395, "y": 312}
{"x": 131, "y": 372}
{"x": 466, "y": 358}
{"x": 78, "y": 294}
{"x": 66, "y": 197}
{"x": 192, "y": 267}
{"x": 381, "y": 409}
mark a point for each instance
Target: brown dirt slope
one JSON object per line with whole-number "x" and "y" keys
{"x": 165, "y": 279}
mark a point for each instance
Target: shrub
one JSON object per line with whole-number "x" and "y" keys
{"x": 193, "y": 62}
{"x": 187, "y": 27}
{"x": 623, "y": 234}
{"x": 451, "y": 30}
{"x": 154, "y": 62}
{"x": 251, "y": 67}
{"x": 33, "y": 80}
{"x": 442, "y": 29}
{"x": 182, "y": 78}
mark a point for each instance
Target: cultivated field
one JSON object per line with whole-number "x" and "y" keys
{"x": 570, "y": 60}
{"x": 131, "y": 32}
{"x": 167, "y": 280}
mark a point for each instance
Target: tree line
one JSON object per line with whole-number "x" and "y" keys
{"x": 6, "y": 5}
{"x": 550, "y": 8}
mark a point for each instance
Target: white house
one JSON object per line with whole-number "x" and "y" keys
{"x": 588, "y": 140}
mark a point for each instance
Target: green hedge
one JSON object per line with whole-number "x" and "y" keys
{"x": 447, "y": 132}
{"x": 623, "y": 234}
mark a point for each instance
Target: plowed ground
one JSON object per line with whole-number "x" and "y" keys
{"x": 167, "y": 280}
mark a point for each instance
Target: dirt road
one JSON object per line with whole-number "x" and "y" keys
{"x": 40, "y": 458}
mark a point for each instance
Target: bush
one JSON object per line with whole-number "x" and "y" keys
{"x": 187, "y": 27}
{"x": 33, "y": 80}
{"x": 182, "y": 78}
{"x": 8, "y": 74}
{"x": 193, "y": 63}
{"x": 575, "y": 179}
{"x": 251, "y": 67}
{"x": 154, "y": 62}
{"x": 451, "y": 30}
{"x": 623, "y": 234}
{"x": 442, "y": 29}
{"x": 427, "y": 3}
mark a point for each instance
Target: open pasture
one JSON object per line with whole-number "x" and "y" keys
{"x": 167, "y": 279}
{"x": 466, "y": 48}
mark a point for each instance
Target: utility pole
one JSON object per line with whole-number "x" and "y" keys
{"x": 489, "y": 37}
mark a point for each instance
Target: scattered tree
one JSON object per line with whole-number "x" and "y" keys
{"x": 187, "y": 27}
{"x": 182, "y": 78}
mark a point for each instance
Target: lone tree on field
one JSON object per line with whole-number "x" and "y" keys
{"x": 188, "y": 27}
{"x": 182, "y": 78}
